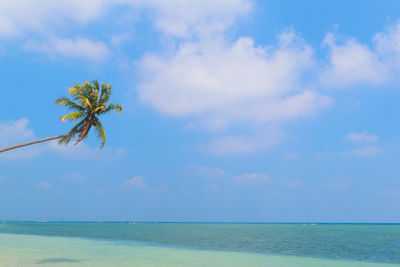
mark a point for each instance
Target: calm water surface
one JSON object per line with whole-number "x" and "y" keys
{"x": 374, "y": 243}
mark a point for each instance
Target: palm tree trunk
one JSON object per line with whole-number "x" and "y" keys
{"x": 31, "y": 143}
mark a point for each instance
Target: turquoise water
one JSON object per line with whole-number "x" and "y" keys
{"x": 198, "y": 244}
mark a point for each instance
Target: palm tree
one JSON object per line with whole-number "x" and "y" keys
{"x": 89, "y": 101}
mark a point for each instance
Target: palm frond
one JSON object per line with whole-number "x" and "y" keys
{"x": 76, "y": 90}
{"x": 65, "y": 101}
{"x": 73, "y": 116}
{"x": 98, "y": 110}
{"x": 105, "y": 93}
{"x": 80, "y": 94}
{"x": 91, "y": 93}
{"x": 95, "y": 94}
{"x": 96, "y": 85}
{"x": 65, "y": 139}
{"x": 101, "y": 134}
{"x": 74, "y": 131}
{"x": 84, "y": 101}
{"x": 111, "y": 107}
{"x": 87, "y": 105}
{"x": 83, "y": 133}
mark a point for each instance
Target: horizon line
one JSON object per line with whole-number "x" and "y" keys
{"x": 205, "y": 222}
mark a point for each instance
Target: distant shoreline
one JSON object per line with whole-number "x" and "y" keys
{"x": 227, "y": 222}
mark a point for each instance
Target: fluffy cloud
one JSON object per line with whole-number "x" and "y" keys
{"x": 352, "y": 63}
{"x": 22, "y": 15}
{"x": 362, "y": 137}
{"x": 218, "y": 83}
{"x": 13, "y": 132}
{"x": 47, "y": 18}
{"x": 238, "y": 81}
{"x": 135, "y": 182}
{"x": 252, "y": 178}
{"x": 184, "y": 18}
{"x": 365, "y": 151}
{"x": 81, "y": 48}
{"x": 388, "y": 45}
{"x": 177, "y": 17}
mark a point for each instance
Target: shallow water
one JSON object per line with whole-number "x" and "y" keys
{"x": 169, "y": 244}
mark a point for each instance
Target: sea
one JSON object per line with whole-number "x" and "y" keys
{"x": 198, "y": 244}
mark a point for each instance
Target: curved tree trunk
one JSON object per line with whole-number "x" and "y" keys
{"x": 31, "y": 143}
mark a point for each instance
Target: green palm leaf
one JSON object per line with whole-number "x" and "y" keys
{"x": 101, "y": 134}
{"x": 90, "y": 101}
{"x": 65, "y": 101}
{"x": 73, "y": 116}
{"x": 111, "y": 107}
{"x": 105, "y": 93}
{"x": 75, "y": 130}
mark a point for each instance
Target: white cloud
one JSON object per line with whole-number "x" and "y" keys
{"x": 217, "y": 83}
{"x": 177, "y": 17}
{"x": 362, "y": 137}
{"x": 1, "y": 179}
{"x": 252, "y": 178}
{"x": 81, "y": 48}
{"x": 135, "y": 182}
{"x": 238, "y": 81}
{"x": 184, "y": 18}
{"x": 46, "y": 19}
{"x": 43, "y": 185}
{"x": 366, "y": 151}
{"x": 6, "y": 27}
{"x": 352, "y": 63}
{"x": 388, "y": 45}
{"x": 14, "y": 132}
{"x": 245, "y": 143}
{"x": 16, "y": 17}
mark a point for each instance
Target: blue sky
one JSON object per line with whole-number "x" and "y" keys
{"x": 234, "y": 110}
